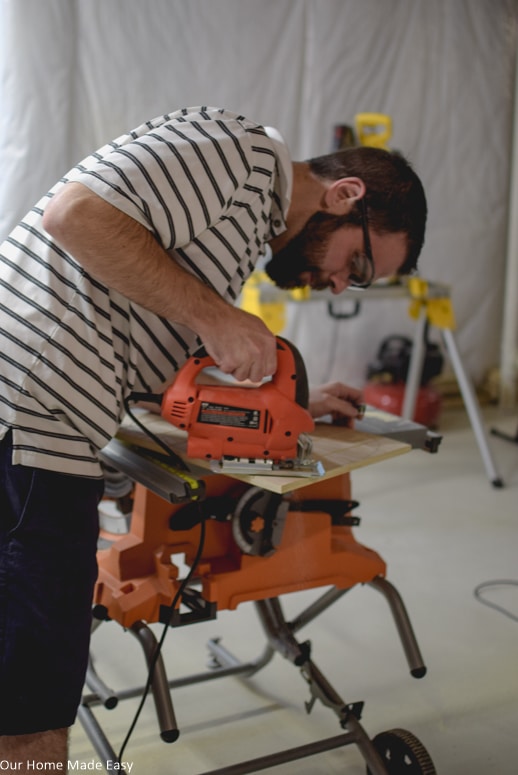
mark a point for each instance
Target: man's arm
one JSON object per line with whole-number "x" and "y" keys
{"x": 124, "y": 255}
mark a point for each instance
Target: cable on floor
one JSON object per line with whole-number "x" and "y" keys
{"x": 496, "y": 583}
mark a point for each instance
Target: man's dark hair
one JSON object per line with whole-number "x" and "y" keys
{"x": 394, "y": 197}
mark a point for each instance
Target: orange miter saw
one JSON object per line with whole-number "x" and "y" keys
{"x": 242, "y": 428}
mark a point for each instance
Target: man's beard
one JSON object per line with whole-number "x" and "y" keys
{"x": 306, "y": 252}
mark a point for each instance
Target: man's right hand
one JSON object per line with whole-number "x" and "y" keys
{"x": 241, "y": 345}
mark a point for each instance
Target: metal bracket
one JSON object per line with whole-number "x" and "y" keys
{"x": 200, "y": 610}
{"x": 343, "y": 315}
{"x": 338, "y": 510}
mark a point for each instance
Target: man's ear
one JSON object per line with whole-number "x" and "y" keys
{"x": 341, "y": 195}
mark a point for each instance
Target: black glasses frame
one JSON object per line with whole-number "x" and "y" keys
{"x": 367, "y": 247}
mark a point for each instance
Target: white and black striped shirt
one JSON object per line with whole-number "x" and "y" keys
{"x": 207, "y": 183}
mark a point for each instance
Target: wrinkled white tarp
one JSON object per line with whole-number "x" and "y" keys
{"x": 76, "y": 73}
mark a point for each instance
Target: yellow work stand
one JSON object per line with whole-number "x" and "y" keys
{"x": 430, "y": 303}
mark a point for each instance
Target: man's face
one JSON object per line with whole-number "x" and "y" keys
{"x": 325, "y": 253}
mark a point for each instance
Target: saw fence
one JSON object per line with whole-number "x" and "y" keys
{"x": 260, "y": 542}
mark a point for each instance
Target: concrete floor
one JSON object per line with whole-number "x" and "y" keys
{"x": 442, "y": 530}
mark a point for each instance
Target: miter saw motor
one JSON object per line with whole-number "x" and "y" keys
{"x": 245, "y": 428}
{"x": 258, "y": 522}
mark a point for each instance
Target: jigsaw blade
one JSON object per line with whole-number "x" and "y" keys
{"x": 262, "y": 467}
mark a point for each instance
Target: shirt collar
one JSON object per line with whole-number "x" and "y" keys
{"x": 285, "y": 168}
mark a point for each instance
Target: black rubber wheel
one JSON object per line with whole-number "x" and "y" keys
{"x": 402, "y": 753}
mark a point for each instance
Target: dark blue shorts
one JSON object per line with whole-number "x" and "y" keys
{"x": 48, "y": 543}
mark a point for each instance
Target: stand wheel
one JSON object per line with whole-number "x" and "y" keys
{"x": 402, "y": 753}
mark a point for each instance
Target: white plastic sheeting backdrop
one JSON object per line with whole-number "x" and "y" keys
{"x": 76, "y": 73}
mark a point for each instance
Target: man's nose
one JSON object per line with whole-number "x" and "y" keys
{"x": 337, "y": 283}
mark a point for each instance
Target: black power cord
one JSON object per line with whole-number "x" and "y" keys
{"x": 155, "y": 399}
{"x": 180, "y": 464}
{"x": 160, "y": 644}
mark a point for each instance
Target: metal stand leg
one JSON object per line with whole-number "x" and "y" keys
{"x": 103, "y": 695}
{"x": 281, "y": 639}
{"x": 471, "y": 404}
{"x": 101, "y": 692}
{"x": 164, "y": 707}
{"x": 415, "y": 370}
{"x": 404, "y": 627}
{"x": 97, "y": 737}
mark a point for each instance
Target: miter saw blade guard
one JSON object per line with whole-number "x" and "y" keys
{"x": 246, "y": 429}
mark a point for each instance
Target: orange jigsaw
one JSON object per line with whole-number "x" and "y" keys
{"x": 245, "y": 428}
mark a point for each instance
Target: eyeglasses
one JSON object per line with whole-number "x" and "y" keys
{"x": 362, "y": 269}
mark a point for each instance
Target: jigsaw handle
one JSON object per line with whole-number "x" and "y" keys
{"x": 290, "y": 377}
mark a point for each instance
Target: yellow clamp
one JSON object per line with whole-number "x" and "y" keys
{"x": 373, "y": 129}
{"x": 300, "y": 294}
{"x": 271, "y": 312}
{"x": 439, "y": 311}
{"x": 262, "y": 298}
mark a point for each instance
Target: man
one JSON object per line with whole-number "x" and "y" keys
{"x": 113, "y": 279}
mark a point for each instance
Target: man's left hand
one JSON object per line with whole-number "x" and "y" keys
{"x": 336, "y": 399}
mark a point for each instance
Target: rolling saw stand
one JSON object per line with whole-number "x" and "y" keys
{"x": 259, "y": 544}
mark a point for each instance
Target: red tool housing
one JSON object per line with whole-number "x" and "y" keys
{"x": 226, "y": 420}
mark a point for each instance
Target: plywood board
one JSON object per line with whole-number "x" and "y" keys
{"x": 339, "y": 449}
